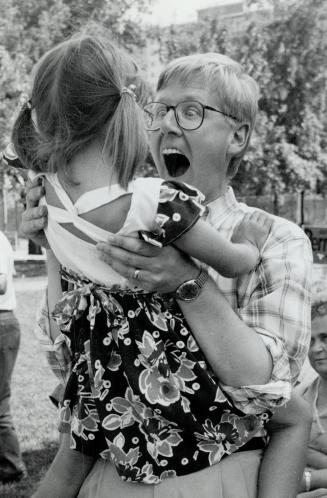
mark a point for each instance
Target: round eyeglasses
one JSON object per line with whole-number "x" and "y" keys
{"x": 189, "y": 114}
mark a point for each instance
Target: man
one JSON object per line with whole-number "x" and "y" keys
{"x": 12, "y": 467}
{"x": 273, "y": 301}
{"x": 254, "y": 330}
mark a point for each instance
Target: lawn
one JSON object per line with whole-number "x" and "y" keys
{"x": 34, "y": 415}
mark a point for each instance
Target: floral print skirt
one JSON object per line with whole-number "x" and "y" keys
{"x": 140, "y": 392}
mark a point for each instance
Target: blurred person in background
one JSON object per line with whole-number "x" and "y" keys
{"x": 314, "y": 482}
{"x": 12, "y": 467}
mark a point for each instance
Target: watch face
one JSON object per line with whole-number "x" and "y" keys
{"x": 188, "y": 291}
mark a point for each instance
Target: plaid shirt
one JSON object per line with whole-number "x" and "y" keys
{"x": 273, "y": 300}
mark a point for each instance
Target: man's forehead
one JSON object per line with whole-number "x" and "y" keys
{"x": 184, "y": 90}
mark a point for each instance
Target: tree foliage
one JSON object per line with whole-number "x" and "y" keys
{"x": 29, "y": 28}
{"x": 285, "y": 53}
{"x": 287, "y": 56}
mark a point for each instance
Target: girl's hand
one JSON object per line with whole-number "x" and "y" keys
{"x": 254, "y": 229}
{"x": 35, "y": 217}
{"x": 161, "y": 269}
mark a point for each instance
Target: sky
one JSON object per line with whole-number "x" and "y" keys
{"x": 166, "y": 12}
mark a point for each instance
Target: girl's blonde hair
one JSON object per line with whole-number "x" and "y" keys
{"x": 235, "y": 92}
{"x": 77, "y": 96}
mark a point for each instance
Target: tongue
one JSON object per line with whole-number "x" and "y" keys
{"x": 176, "y": 164}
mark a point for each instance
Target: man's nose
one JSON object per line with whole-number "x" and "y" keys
{"x": 317, "y": 346}
{"x": 169, "y": 123}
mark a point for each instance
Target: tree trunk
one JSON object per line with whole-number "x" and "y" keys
{"x": 276, "y": 203}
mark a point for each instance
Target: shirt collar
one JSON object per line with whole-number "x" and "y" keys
{"x": 223, "y": 205}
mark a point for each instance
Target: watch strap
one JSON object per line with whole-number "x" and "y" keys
{"x": 202, "y": 277}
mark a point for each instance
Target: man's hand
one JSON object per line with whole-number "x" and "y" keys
{"x": 35, "y": 217}
{"x": 160, "y": 269}
{"x": 315, "y": 493}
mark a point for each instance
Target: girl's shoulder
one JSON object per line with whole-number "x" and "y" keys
{"x": 151, "y": 185}
{"x": 146, "y": 183}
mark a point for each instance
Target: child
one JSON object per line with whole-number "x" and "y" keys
{"x": 140, "y": 390}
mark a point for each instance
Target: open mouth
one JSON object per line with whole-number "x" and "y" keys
{"x": 176, "y": 163}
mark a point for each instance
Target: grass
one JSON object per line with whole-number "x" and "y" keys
{"x": 33, "y": 413}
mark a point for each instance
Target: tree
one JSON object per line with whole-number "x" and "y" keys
{"x": 288, "y": 59}
{"x": 287, "y": 56}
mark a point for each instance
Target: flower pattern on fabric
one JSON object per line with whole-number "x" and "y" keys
{"x": 140, "y": 391}
{"x": 180, "y": 207}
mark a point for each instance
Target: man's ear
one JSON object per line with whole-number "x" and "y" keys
{"x": 239, "y": 140}
{"x": 237, "y": 147}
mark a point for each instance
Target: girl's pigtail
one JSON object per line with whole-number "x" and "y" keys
{"x": 24, "y": 138}
{"x": 126, "y": 140}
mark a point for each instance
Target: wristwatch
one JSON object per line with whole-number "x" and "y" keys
{"x": 191, "y": 289}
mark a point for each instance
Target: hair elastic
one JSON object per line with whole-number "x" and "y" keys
{"x": 130, "y": 90}
{"x": 25, "y": 103}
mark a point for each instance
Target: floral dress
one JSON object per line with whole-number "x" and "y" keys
{"x": 140, "y": 392}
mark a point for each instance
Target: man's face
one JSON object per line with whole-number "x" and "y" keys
{"x": 318, "y": 345}
{"x": 198, "y": 157}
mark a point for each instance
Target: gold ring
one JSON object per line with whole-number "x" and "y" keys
{"x": 136, "y": 274}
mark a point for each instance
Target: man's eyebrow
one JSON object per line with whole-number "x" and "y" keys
{"x": 189, "y": 96}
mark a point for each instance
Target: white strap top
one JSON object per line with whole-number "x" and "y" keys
{"x": 81, "y": 256}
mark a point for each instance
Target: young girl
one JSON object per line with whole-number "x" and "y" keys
{"x": 140, "y": 392}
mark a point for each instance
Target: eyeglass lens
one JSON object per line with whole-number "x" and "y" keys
{"x": 188, "y": 114}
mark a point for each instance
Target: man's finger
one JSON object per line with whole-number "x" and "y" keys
{"x": 134, "y": 245}
{"x": 34, "y": 182}
{"x": 34, "y": 195}
{"x": 32, "y": 227}
{"x": 316, "y": 493}
{"x": 123, "y": 270}
{"x": 113, "y": 255}
{"x": 35, "y": 213}
{"x": 144, "y": 280}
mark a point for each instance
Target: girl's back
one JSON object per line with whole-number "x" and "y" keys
{"x": 79, "y": 219}
{"x": 83, "y": 130}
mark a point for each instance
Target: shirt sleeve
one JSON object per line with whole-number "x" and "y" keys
{"x": 57, "y": 352}
{"x": 179, "y": 208}
{"x": 278, "y": 309}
